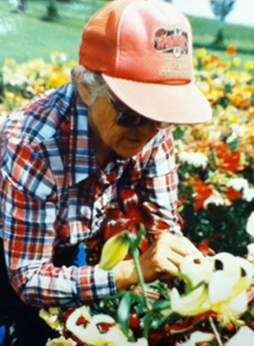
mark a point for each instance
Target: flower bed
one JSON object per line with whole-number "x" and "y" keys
{"x": 209, "y": 303}
{"x": 215, "y": 160}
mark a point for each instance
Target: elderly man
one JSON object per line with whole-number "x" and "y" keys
{"x": 67, "y": 155}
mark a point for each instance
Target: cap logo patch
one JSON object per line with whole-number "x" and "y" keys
{"x": 174, "y": 41}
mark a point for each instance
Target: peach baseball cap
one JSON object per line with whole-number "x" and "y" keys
{"x": 143, "y": 49}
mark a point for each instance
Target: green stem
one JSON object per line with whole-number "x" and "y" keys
{"x": 147, "y": 324}
{"x": 135, "y": 255}
{"x": 217, "y": 335}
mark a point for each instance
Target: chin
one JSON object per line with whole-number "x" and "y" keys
{"x": 127, "y": 154}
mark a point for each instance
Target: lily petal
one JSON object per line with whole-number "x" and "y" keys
{"x": 247, "y": 267}
{"x": 198, "y": 337}
{"x": 220, "y": 288}
{"x": 61, "y": 341}
{"x": 191, "y": 304}
{"x": 91, "y": 335}
{"x": 245, "y": 336}
{"x": 239, "y": 304}
{"x": 250, "y": 225}
{"x": 231, "y": 267}
{"x": 115, "y": 250}
{"x": 250, "y": 256}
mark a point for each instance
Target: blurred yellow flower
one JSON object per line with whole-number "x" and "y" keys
{"x": 236, "y": 62}
{"x": 201, "y": 53}
{"x": 249, "y": 65}
{"x": 10, "y": 63}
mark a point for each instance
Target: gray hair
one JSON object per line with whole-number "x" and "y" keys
{"x": 94, "y": 80}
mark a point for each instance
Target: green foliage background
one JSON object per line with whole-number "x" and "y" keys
{"x": 34, "y": 37}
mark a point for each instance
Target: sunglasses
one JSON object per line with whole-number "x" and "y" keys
{"x": 126, "y": 117}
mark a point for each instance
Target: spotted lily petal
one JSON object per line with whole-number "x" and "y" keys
{"x": 90, "y": 334}
{"x": 231, "y": 268}
{"x": 247, "y": 268}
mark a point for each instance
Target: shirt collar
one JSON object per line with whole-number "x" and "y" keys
{"x": 81, "y": 152}
{"x": 82, "y": 159}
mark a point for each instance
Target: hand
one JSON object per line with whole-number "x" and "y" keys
{"x": 162, "y": 259}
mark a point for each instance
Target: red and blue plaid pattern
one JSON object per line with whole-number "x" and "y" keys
{"x": 54, "y": 194}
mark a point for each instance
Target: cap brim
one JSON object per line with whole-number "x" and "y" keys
{"x": 177, "y": 104}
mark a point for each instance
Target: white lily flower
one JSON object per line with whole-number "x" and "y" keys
{"x": 223, "y": 291}
{"x": 194, "y": 159}
{"x": 250, "y": 225}
{"x": 217, "y": 200}
{"x": 248, "y": 195}
{"x": 90, "y": 333}
{"x": 51, "y": 317}
{"x": 238, "y": 184}
{"x": 192, "y": 304}
{"x": 240, "y": 304}
{"x": 198, "y": 337}
{"x": 250, "y": 256}
{"x": 61, "y": 341}
{"x": 245, "y": 336}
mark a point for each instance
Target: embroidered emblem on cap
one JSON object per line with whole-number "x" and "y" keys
{"x": 174, "y": 41}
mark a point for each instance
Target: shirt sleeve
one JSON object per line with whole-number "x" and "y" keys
{"x": 158, "y": 184}
{"x": 29, "y": 211}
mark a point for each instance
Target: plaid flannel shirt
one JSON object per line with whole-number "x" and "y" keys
{"x": 52, "y": 192}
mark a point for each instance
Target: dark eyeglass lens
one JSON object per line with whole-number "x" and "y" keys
{"x": 128, "y": 118}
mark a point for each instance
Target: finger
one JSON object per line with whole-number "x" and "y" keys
{"x": 175, "y": 258}
{"x": 179, "y": 244}
{"x": 186, "y": 250}
{"x": 168, "y": 263}
{"x": 169, "y": 268}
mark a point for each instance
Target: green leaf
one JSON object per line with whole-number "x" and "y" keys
{"x": 137, "y": 298}
{"x": 161, "y": 305}
{"x": 123, "y": 313}
{"x": 147, "y": 324}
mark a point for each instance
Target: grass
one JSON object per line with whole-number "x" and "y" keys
{"x": 205, "y": 31}
{"x": 34, "y": 38}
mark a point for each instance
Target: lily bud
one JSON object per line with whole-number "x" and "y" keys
{"x": 115, "y": 250}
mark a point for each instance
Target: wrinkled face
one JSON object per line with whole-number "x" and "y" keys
{"x": 126, "y": 142}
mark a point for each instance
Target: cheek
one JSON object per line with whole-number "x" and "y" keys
{"x": 112, "y": 136}
{"x": 110, "y": 133}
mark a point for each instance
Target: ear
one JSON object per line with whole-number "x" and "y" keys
{"x": 77, "y": 76}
